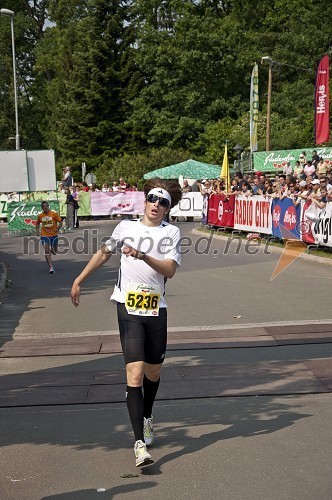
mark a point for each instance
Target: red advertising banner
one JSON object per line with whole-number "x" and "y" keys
{"x": 322, "y": 104}
{"x": 221, "y": 210}
{"x": 308, "y": 217}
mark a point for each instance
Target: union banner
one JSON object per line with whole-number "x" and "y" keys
{"x": 254, "y": 104}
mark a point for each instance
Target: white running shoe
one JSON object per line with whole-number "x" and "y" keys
{"x": 148, "y": 431}
{"x": 141, "y": 454}
{"x": 51, "y": 271}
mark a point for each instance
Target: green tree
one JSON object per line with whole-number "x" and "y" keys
{"x": 184, "y": 73}
{"x": 100, "y": 79}
{"x": 29, "y": 22}
{"x": 88, "y": 61}
{"x": 133, "y": 167}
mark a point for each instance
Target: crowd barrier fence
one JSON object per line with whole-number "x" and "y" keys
{"x": 22, "y": 214}
{"x": 278, "y": 218}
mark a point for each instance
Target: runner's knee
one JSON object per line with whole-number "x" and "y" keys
{"x": 152, "y": 372}
{"x": 135, "y": 372}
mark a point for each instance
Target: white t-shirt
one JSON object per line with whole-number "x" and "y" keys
{"x": 160, "y": 242}
{"x": 309, "y": 169}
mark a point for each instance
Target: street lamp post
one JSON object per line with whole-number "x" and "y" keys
{"x": 11, "y": 14}
{"x": 269, "y": 95}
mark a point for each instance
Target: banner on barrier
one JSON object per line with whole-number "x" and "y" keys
{"x": 287, "y": 215}
{"x": 253, "y": 213}
{"x": 130, "y": 202}
{"x": 22, "y": 216}
{"x": 84, "y": 204}
{"x": 221, "y": 210}
{"x": 309, "y": 214}
{"x": 100, "y": 203}
{"x": 205, "y": 209}
{"x": 3, "y": 206}
{"x": 322, "y": 227}
{"x": 190, "y": 205}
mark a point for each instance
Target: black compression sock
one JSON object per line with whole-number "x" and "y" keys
{"x": 135, "y": 405}
{"x": 150, "y": 392}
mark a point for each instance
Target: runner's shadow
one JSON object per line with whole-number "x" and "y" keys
{"x": 279, "y": 417}
{"x": 108, "y": 494}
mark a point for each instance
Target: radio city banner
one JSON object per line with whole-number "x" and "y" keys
{"x": 253, "y": 213}
{"x": 286, "y": 214}
{"x": 270, "y": 161}
{"x": 221, "y": 210}
{"x": 22, "y": 216}
{"x": 128, "y": 202}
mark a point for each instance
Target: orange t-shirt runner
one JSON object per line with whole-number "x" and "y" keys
{"x": 49, "y": 223}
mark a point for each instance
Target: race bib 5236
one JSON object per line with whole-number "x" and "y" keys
{"x": 143, "y": 299}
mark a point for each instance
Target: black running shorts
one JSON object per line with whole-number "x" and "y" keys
{"x": 143, "y": 338}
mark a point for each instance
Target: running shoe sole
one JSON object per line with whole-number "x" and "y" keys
{"x": 145, "y": 461}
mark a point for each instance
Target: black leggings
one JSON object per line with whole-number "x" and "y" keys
{"x": 143, "y": 338}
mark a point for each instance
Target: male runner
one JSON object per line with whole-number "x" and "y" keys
{"x": 149, "y": 257}
{"x": 50, "y": 223}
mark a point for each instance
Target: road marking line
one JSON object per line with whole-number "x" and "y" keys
{"x": 232, "y": 326}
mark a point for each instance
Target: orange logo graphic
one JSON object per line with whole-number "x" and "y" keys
{"x": 294, "y": 247}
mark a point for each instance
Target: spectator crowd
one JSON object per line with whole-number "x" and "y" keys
{"x": 307, "y": 179}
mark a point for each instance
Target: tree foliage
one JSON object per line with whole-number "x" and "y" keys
{"x": 112, "y": 83}
{"x": 132, "y": 167}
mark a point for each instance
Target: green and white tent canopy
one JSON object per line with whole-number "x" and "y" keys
{"x": 189, "y": 169}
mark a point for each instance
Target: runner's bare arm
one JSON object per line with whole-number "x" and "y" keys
{"x": 97, "y": 260}
{"x": 166, "y": 267}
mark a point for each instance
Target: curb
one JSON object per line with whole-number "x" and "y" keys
{"x": 303, "y": 256}
{"x": 3, "y": 276}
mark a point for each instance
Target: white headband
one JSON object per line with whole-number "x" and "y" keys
{"x": 162, "y": 193}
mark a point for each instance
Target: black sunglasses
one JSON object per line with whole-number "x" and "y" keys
{"x": 163, "y": 202}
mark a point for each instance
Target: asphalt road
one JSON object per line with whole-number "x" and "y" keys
{"x": 228, "y": 448}
{"x": 219, "y": 283}
{"x": 233, "y": 448}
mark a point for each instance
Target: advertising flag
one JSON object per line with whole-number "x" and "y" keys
{"x": 322, "y": 104}
{"x": 224, "y": 174}
{"x": 254, "y": 103}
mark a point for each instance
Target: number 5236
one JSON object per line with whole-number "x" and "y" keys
{"x": 140, "y": 301}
